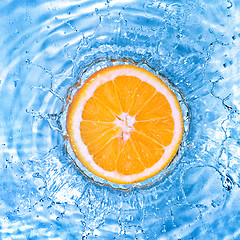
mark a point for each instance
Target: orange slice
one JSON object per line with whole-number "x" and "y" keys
{"x": 124, "y": 125}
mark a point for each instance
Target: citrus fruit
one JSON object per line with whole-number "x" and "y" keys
{"x": 124, "y": 124}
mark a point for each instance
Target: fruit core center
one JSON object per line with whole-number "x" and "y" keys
{"x": 126, "y": 123}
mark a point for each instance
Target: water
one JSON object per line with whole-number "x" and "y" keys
{"x": 46, "y": 46}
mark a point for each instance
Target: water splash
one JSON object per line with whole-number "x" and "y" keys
{"x": 46, "y": 46}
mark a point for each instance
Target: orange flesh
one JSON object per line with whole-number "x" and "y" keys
{"x": 136, "y": 146}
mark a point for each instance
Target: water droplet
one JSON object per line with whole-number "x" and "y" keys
{"x": 36, "y": 175}
{"x": 228, "y": 183}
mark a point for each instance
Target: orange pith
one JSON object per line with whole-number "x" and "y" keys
{"x": 125, "y": 124}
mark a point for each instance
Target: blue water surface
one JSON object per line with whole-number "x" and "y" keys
{"x": 47, "y": 46}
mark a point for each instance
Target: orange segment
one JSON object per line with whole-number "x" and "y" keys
{"x": 156, "y": 107}
{"x": 94, "y": 110}
{"x": 148, "y": 150}
{"x": 143, "y": 94}
{"x": 126, "y": 87}
{"x": 108, "y": 154}
{"x": 110, "y": 100}
{"x": 124, "y": 125}
{"x": 128, "y": 162}
{"x": 160, "y": 130}
{"x": 96, "y": 134}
